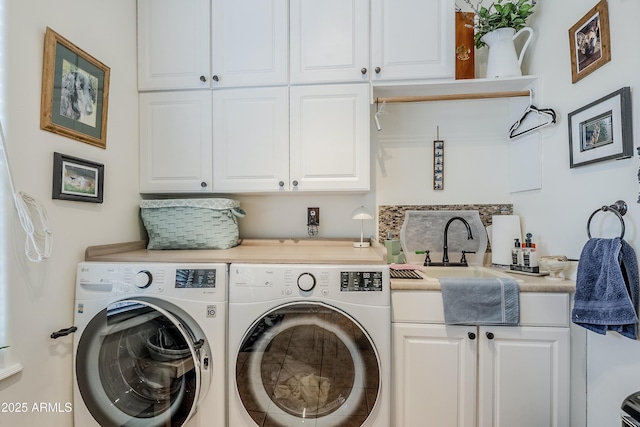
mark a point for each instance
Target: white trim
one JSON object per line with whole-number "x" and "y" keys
{"x": 11, "y": 370}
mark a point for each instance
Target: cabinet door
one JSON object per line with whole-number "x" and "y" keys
{"x": 173, "y": 44}
{"x": 250, "y": 42}
{"x": 175, "y": 141}
{"x": 330, "y": 137}
{"x": 434, "y": 375}
{"x": 329, "y": 41}
{"x": 251, "y": 139}
{"x": 523, "y": 377}
{"x": 412, "y": 39}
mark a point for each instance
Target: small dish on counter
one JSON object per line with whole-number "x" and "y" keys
{"x": 554, "y": 264}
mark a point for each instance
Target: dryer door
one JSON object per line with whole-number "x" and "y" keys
{"x": 307, "y": 363}
{"x": 138, "y": 364}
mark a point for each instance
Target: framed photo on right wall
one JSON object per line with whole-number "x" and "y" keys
{"x": 589, "y": 42}
{"x": 602, "y": 130}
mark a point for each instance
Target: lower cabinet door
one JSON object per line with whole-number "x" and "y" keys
{"x": 523, "y": 376}
{"x": 434, "y": 375}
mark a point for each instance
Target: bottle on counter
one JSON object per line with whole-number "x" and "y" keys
{"x": 529, "y": 256}
{"x": 516, "y": 253}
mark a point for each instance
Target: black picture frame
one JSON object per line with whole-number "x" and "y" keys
{"x": 77, "y": 179}
{"x": 602, "y": 130}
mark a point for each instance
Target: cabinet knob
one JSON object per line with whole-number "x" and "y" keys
{"x": 378, "y": 70}
{"x": 295, "y": 183}
{"x": 203, "y": 79}
{"x": 215, "y": 78}
{"x": 471, "y": 336}
{"x": 490, "y": 335}
{"x": 281, "y": 184}
{"x": 363, "y": 71}
{"x": 203, "y": 184}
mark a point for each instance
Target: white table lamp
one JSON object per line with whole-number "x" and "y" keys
{"x": 361, "y": 213}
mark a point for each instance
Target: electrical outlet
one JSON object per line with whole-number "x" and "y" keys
{"x": 313, "y": 216}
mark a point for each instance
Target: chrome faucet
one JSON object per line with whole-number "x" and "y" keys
{"x": 445, "y": 249}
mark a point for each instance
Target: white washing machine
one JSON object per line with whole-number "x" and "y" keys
{"x": 309, "y": 345}
{"x": 150, "y": 348}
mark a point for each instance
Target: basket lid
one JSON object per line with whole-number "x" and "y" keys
{"x": 207, "y": 203}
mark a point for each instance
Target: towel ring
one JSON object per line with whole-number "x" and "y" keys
{"x": 619, "y": 208}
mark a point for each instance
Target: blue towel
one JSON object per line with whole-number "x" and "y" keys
{"x": 607, "y": 288}
{"x": 480, "y": 301}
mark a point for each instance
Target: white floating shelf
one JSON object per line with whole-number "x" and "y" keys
{"x": 441, "y": 90}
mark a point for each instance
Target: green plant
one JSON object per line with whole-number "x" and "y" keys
{"x": 510, "y": 14}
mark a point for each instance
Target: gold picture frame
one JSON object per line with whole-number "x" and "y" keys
{"x": 75, "y": 92}
{"x": 590, "y": 42}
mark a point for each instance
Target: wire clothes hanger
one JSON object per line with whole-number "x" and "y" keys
{"x": 548, "y": 113}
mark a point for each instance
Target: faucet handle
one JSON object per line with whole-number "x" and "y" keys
{"x": 463, "y": 260}
{"x": 427, "y": 260}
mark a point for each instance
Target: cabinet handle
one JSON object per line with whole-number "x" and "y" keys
{"x": 203, "y": 79}
{"x": 281, "y": 184}
{"x": 203, "y": 184}
{"x": 363, "y": 71}
{"x": 471, "y": 336}
{"x": 295, "y": 183}
{"x": 215, "y": 78}
{"x": 378, "y": 70}
{"x": 490, "y": 335}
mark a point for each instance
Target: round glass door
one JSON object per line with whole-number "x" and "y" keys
{"x": 307, "y": 361}
{"x": 137, "y": 364}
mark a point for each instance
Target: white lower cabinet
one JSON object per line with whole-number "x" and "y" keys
{"x": 175, "y": 141}
{"x": 490, "y": 376}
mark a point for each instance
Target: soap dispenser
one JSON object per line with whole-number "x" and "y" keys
{"x": 529, "y": 256}
{"x": 515, "y": 256}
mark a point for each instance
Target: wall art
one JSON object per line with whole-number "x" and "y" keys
{"x": 602, "y": 130}
{"x": 589, "y": 42}
{"x": 77, "y": 179}
{"x": 75, "y": 92}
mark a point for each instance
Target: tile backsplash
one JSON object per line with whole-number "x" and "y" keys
{"x": 390, "y": 218}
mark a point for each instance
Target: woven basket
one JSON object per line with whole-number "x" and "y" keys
{"x": 191, "y": 223}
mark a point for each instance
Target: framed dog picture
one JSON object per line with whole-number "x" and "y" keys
{"x": 602, "y": 130}
{"x": 77, "y": 179}
{"x": 589, "y": 42}
{"x": 75, "y": 92}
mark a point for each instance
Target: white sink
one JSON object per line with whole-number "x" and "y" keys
{"x": 464, "y": 272}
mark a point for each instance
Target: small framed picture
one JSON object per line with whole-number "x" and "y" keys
{"x": 602, "y": 130}
{"x": 75, "y": 92}
{"x": 77, "y": 179}
{"x": 589, "y": 42}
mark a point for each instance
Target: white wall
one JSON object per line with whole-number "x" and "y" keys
{"x": 558, "y": 213}
{"x": 40, "y": 297}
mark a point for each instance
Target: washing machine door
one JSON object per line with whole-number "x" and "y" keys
{"x": 138, "y": 364}
{"x": 307, "y": 363}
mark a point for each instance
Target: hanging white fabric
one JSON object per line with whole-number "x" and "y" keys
{"x": 33, "y": 217}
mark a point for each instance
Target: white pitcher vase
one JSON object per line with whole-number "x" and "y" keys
{"x": 503, "y": 60}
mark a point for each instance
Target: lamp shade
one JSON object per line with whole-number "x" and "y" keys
{"x": 361, "y": 213}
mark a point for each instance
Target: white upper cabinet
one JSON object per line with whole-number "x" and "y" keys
{"x": 251, "y": 139}
{"x": 250, "y": 42}
{"x": 174, "y": 44}
{"x": 329, "y": 41}
{"x": 175, "y": 141}
{"x": 191, "y": 44}
{"x": 329, "y": 140}
{"x": 412, "y": 39}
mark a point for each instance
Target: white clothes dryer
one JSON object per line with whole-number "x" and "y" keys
{"x": 150, "y": 346}
{"x": 309, "y": 345}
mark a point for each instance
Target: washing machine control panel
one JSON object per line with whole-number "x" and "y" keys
{"x": 360, "y": 281}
